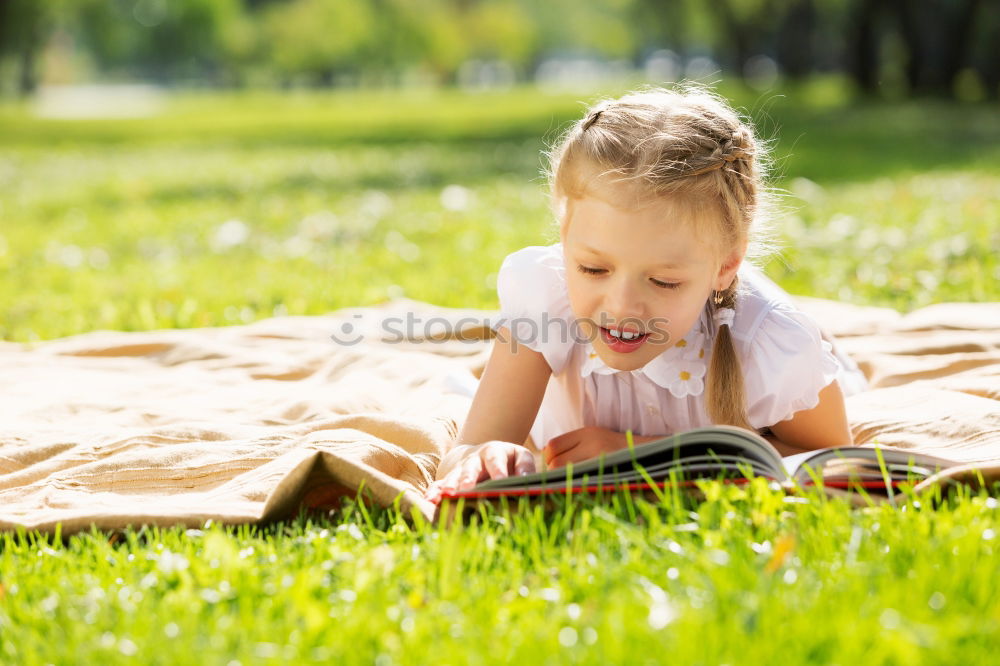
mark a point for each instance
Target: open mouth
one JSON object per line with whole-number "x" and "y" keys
{"x": 620, "y": 341}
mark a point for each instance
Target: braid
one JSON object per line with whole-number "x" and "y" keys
{"x": 725, "y": 396}
{"x": 735, "y": 151}
{"x": 591, "y": 118}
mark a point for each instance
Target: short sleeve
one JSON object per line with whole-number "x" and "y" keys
{"x": 534, "y": 304}
{"x": 786, "y": 365}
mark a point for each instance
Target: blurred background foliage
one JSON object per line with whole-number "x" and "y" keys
{"x": 890, "y": 48}
{"x": 179, "y": 163}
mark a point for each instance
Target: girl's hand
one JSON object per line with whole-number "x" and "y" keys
{"x": 492, "y": 460}
{"x": 582, "y": 444}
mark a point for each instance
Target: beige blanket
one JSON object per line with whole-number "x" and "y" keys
{"x": 249, "y": 423}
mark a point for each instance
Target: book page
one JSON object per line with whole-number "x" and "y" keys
{"x": 863, "y": 463}
{"x": 718, "y": 449}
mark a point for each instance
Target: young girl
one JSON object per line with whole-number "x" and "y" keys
{"x": 646, "y": 317}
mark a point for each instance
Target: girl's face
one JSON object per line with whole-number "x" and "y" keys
{"x": 636, "y": 270}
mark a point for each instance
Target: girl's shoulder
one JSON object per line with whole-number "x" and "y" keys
{"x": 785, "y": 360}
{"x": 532, "y": 280}
{"x": 534, "y": 304}
{"x": 762, "y": 304}
{"x": 544, "y": 260}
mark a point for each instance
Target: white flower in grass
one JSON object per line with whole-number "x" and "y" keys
{"x": 456, "y": 198}
{"x": 230, "y": 234}
{"x": 688, "y": 380}
{"x": 170, "y": 562}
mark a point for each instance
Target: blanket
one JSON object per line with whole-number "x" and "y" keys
{"x": 248, "y": 424}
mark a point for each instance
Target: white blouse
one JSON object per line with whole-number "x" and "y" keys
{"x": 784, "y": 359}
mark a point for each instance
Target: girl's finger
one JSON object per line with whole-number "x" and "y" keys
{"x": 524, "y": 462}
{"x": 496, "y": 460}
{"x": 450, "y": 482}
{"x": 471, "y": 472}
{"x": 438, "y": 488}
{"x": 433, "y": 493}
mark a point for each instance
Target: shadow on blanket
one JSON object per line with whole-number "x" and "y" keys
{"x": 246, "y": 424}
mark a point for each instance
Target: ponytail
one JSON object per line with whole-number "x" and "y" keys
{"x": 725, "y": 396}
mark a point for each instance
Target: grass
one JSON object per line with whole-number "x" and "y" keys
{"x": 747, "y": 576}
{"x": 334, "y": 200}
{"x": 227, "y": 209}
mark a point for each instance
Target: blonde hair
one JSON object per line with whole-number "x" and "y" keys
{"x": 689, "y": 145}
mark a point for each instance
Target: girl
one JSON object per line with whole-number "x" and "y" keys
{"x": 646, "y": 316}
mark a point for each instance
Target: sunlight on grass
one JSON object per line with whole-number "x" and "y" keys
{"x": 131, "y": 233}
{"x": 757, "y": 576}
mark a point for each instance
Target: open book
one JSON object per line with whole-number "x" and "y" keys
{"x": 721, "y": 452}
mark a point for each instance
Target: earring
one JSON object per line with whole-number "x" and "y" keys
{"x": 717, "y": 298}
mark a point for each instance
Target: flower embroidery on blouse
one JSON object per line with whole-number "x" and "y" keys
{"x": 689, "y": 379}
{"x": 695, "y": 353}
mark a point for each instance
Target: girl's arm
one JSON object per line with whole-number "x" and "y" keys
{"x": 503, "y": 410}
{"x": 509, "y": 395}
{"x": 822, "y": 426}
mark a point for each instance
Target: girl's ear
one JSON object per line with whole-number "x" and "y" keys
{"x": 730, "y": 265}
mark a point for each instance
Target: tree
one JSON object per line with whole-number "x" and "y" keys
{"x": 24, "y": 28}
{"x": 315, "y": 39}
{"x": 937, "y": 36}
{"x": 155, "y": 38}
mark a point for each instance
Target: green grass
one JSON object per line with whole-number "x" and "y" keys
{"x": 120, "y": 225}
{"x": 747, "y": 576}
{"x": 113, "y": 224}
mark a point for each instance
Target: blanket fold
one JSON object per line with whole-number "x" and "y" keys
{"x": 249, "y": 423}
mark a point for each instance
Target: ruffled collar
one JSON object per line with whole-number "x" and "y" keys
{"x": 680, "y": 369}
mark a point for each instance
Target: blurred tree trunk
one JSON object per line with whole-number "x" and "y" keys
{"x": 737, "y": 36}
{"x": 749, "y": 31}
{"x": 988, "y": 65}
{"x": 937, "y": 34}
{"x": 22, "y": 33}
{"x": 864, "y": 45}
{"x": 795, "y": 39}
{"x": 961, "y": 40}
{"x": 28, "y": 80}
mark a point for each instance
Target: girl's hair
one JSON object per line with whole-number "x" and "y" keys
{"x": 689, "y": 145}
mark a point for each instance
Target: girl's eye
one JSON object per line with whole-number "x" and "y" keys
{"x": 597, "y": 271}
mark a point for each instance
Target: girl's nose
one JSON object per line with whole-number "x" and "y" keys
{"x": 623, "y": 299}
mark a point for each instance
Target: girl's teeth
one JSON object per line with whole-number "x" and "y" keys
{"x": 622, "y": 334}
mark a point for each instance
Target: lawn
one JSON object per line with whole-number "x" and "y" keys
{"x": 228, "y": 208}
